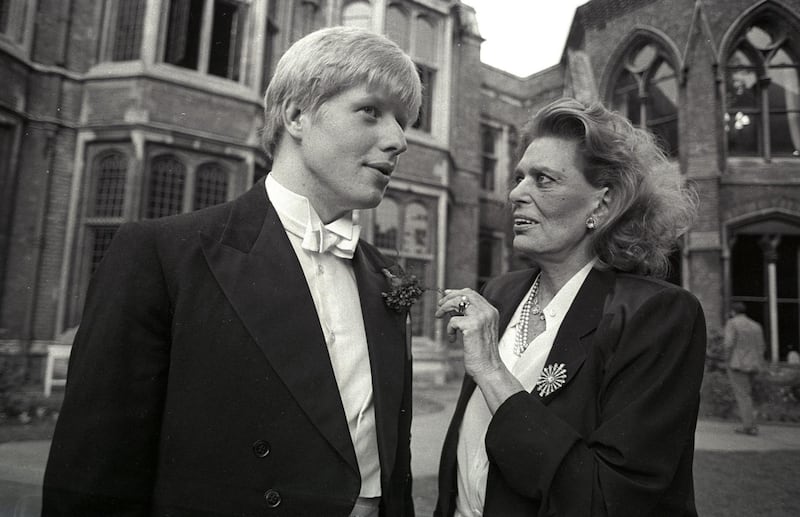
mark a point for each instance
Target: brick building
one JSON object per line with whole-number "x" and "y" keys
{"x": 117, "y": 110}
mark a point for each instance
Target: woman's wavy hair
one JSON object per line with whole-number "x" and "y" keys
{"x": 330, "y": 61}
{"x": 651, "y": 205}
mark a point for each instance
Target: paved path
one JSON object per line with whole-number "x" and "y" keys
{"x": 22, "y": 463}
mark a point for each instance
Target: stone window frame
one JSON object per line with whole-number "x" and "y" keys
{"x": 137, "y": 181}
{"x": 123, "y": 30}
{"x": 786, "y": 27}
{"x": 643, "y": 75}
{"x": 409, "y": 259}
{"x": 17, "y": 25}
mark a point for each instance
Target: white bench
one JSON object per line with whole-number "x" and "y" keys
{"x": 54, "y": 353}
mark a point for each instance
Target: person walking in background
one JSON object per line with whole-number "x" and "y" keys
{"x": 744, "y": 348}
{"x": 240, "y": 360}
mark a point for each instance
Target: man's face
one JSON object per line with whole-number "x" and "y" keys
{"x": 349, "y": 149}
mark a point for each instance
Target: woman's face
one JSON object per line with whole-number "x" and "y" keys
{"x": 552, "y": 200}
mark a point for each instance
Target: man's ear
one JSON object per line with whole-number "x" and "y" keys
{"x": 293, "y": 119}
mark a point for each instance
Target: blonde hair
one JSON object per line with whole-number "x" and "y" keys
{"x": 651, "y": 205}
{"x": 329, "y": 61}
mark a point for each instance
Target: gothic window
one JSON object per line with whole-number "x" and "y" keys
{"x": 165, "y": 189}
{"x": 206, "y": 35}
{"x": 357, "y": 14}
{"x": 646, "y": 91}
{"x": 762, "y": 81}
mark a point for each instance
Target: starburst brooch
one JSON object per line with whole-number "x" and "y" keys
{"x": 552, "y": 378}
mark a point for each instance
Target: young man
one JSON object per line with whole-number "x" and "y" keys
{"x": 744, "y": 346}
{"x": 240, "y": 360}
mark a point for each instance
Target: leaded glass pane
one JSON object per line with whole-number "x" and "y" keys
{"x": 226, "y": 40}
{"x": 425, "y": 48}
{"x": 426, "y": 77}
{"x": 109, "y": 194}
{"x": 357, "y": 14}
{"x": 166, "y": 187}
{"x": 128, "y": 30}
{"x": 397, "y": 26}
{"x": 100, "y": 237}
{"x": 743, "y": 131}
{"x": 387, "y": 219}
{"x": 785, "y": 133}
{"x": 643, "y": 58}
{"x": 667, "y": 135}
{"x": 760, "y": 38}
{"x": 626, "y": 95}
{"x": 742, "y": 89}
{"x": 210, "y": 186}
{"x": 183, "y": 33}
{"x": 416, "y": 229}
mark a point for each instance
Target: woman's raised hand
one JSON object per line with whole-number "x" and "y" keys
{"x": 477, "y": 322}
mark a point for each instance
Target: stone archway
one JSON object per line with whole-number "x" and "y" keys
{"x": 762, "y": 270}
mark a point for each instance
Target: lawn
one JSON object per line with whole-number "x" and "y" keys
{"x": 727, "y": 484}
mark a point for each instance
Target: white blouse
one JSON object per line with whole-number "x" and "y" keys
{"x": 473, "y": 462}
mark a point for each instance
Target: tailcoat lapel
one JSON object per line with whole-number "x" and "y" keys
{"x": 259, "y": 273}
{"x": 386, "y": 339}
{"x": 573, "y": 340}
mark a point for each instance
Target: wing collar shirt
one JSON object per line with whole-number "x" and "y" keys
{"x": 324, "y": 252}
{"x": 473, "y": 463}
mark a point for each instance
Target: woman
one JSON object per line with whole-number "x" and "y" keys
{"x": 587, "y": 369}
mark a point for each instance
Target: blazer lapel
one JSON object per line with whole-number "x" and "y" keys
{"x": 259, "y": 273}
{"x": 386, "y": 340}
{"x": 573, "y": 339}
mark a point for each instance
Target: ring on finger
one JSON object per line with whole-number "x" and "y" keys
{"x": 462, "y": 305}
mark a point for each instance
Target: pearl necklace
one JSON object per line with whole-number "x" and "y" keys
{"x": 531, "y": 306}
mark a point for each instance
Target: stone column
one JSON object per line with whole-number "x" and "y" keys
{"x": 769, "y": 244}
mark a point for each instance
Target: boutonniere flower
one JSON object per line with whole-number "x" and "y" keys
{"x": 404, "y": 290}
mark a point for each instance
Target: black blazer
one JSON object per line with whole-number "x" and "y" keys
{"x": 617, "y": 439}
{"x": 200, "y": 382}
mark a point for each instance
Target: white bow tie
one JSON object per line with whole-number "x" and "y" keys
{"x": 324, "y": 240}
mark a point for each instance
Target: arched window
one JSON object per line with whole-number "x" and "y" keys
{"x": 210, "y": 185}
{"x": 397, "y": 26}
{"x": 165, "y": 192}
{"x": 646, "y": 91}
{"x": 357, "y": 14}
{"x": 762, "y": 81}
{"x": 387, "y": 217}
